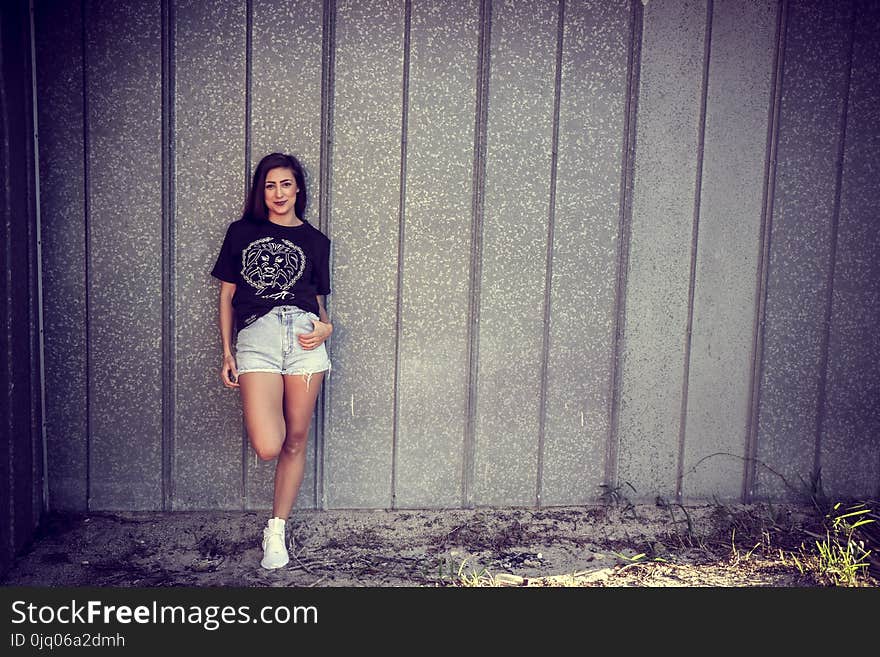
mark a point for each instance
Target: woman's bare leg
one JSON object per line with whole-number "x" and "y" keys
{"x": 300, "y": 393}
{"x": 262, "y": 395}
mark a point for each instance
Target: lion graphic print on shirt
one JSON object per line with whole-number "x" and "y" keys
{"x": 273, "y": 265}
{"x": 272, "y": 268}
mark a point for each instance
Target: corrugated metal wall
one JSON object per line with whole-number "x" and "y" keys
{"x": 22, "y": 492}
{"x": 577, "y": 245}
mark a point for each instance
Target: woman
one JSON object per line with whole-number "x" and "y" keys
{"x": 274, "y": 269}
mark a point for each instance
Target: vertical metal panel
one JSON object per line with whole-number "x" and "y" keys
{"x": 209, "y": 74}
{"x": 851, "y": 437}
{"x": 58, "y": 28}
{"x": 519, "y": 136}
{"x": 660, "y": 247}
{"x": 286, "y": 86}
{"x": 436, "y": 257}
{"x": 585, "y": 246}
{"x": 39, "y": 489}
{"x": 22, "y": 491}
{"x": 365, "y": 200}
{"x": 8, "y": 483}
{"x": 123, "y": 61}
{"x": 731, "y": 202}
{"x": 811, "y": 106}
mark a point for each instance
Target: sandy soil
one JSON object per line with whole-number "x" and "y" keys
{"x": 618, "y": 545}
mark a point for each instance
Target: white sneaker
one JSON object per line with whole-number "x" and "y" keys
{"x": 274, "y": 550}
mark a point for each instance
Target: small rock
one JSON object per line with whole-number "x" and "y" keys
{"x": 508, "y": 579}
{"x": 206, "y": 565}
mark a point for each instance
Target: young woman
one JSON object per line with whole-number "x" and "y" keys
{"x": 274, "y": 269}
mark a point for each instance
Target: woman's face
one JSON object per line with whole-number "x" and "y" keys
{"x": 280, "y": 194}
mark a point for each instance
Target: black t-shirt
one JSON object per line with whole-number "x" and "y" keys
{"x": 273, "y": 265}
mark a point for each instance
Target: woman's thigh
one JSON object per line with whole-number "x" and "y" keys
{"x": 300, "y": 393}
{"x": 262, "y": 395}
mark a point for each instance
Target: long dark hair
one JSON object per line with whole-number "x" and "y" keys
{"x": 255, "y": 205}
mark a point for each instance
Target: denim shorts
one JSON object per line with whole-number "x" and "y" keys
{"x": 270, "y": 344}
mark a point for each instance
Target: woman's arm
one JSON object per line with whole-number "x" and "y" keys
{"x": 322, "y": 311}
{"x": 229, "y": 373}
{"x": 322, "y": 330}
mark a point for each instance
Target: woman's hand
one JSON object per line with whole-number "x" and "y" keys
{"x": 229, "y": 373}
{"x": 320, "y": 332}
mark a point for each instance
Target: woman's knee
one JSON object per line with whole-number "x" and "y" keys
{"x": 266, "y": 445}
{"x": 267, "y": 453}
{"x": 296, "y": 440}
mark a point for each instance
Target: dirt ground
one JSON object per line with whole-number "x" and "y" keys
{"x": 617, "y": 545}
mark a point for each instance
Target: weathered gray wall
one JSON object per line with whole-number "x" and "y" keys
{"x": 820, "y": 379}
{"x": 22, "y": 495}
{"x": 816, "y": 75}
{"x": 668, "y": 147}
{"x": 577, "y": 246}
